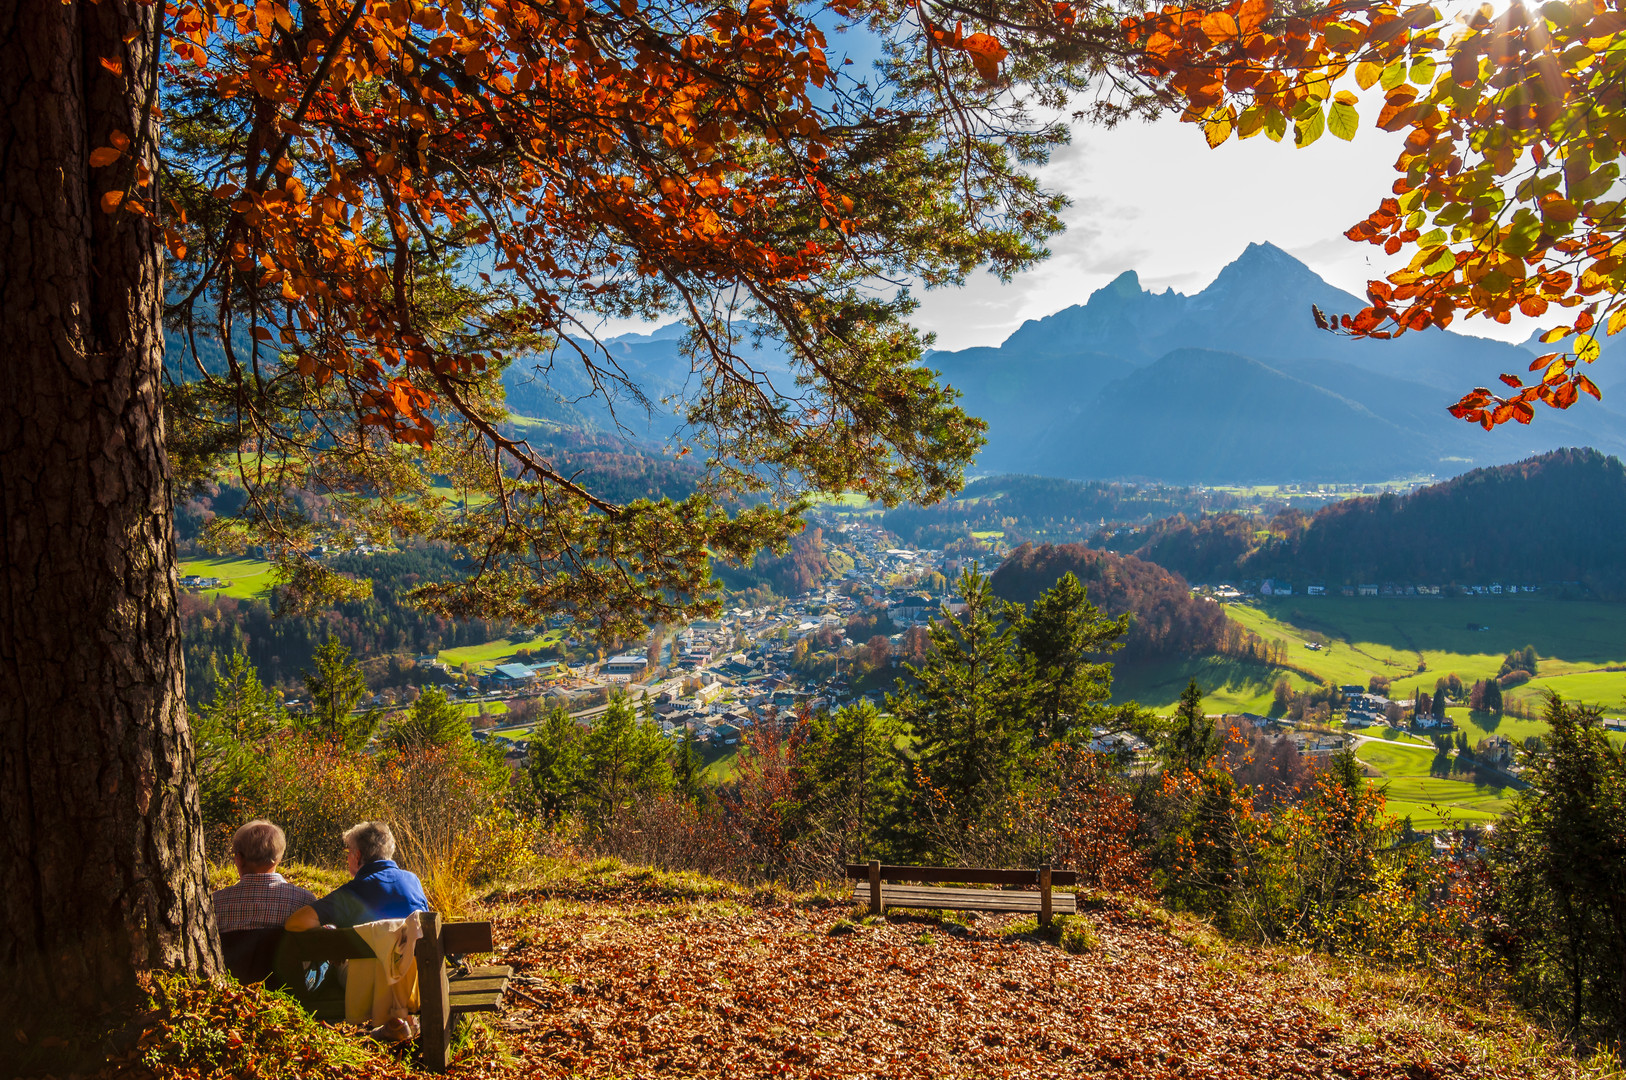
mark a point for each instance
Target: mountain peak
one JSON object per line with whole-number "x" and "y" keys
{"x": 1125, "y": 285}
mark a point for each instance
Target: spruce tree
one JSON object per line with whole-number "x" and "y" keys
{"x": 850, "y": 772}
{"x": 1192, "y": 741}
{"x": 553, "y": 764}
{"x": 622, "y": 757}
{"x": 1058, "y": 635}
{"x": 433, "y": 721}
{"x": 969, "y": 701}
{"x": 1560, "y": 855}
{"x": 335, "y": 687}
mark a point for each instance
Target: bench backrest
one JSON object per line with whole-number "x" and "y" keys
{"x": 456, "y": 939}
{"x": 970, "y": 875}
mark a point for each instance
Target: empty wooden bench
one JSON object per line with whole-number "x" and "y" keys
{"x": 444, "y": 997}
{"x": 882, "y": 895}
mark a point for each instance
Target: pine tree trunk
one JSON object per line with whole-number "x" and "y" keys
{"x": 101, "y": 856}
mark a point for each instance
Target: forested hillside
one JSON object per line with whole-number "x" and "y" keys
{"x": 1045, "y": 508}
{"x": 1554, "y": 518}
{"x": 1167, "y": 620}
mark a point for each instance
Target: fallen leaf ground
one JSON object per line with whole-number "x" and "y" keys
{"x": 622, "y": 975}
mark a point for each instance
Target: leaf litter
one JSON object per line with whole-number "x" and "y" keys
{"x": 618, "y": 980}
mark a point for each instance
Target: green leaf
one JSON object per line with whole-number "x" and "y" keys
{"x": 1275, "y": 125}
{"x": 1422, "y": 71}
{"x": 1393, "y": 75}
{"x": 1442, "y": 262}
{"x": 1343, "y": 120}
{"x": 1308, "y": 129}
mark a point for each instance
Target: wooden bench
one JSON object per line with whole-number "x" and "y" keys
{"x": 444, "y": 997}
{"x": 1044, "y": 902}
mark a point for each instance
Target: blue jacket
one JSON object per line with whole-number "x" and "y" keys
{"x": 380, "y": 890}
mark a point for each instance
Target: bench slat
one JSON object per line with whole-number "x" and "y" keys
{"x": 324, "y": 944}
{"x": 461, "y": 938}
{"x": 971, "y": 875}
{"x": 469, "y": 986}
{"x": 485, "y": 1001}
{"x": 496, "y": 971}
{"x": 966, "y": 899}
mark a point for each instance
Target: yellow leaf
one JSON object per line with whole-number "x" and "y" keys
{"x": 1616, "y": 321}
{"x": 1217, "y": 128}
{"x": 1587, "y": 347}
{"x": 1367, "y": 73}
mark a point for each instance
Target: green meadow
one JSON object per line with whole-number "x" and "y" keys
{"x": 248, "y": 579}
{"x": 501, "y": 651}
{"x": 1420, "y": 784}
{"x": 1412, "y": 642}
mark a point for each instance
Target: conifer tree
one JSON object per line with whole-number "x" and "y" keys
{"x": 1193, "y": 741}
{"x": 1059, "y": 635}
{"x": 622, "y": 757}
{"x": 433, "y": 721}
{"x": 687, "y": 767}
{"x": 1561, "y": 859}
{"x": 849, "y": 768}
{"x": 968, "y": 703}
{"x": 335, "y": 687}
{"x": 553, "y": 764}
{"x": 242, "y": 708}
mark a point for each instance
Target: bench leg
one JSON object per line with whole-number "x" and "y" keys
{"x": 1044, "y": 895}
{"x": 874, "y": 888}
{"x": 434, "y": 996}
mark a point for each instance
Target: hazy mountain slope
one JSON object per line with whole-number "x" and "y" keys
{"x": 1086, "y": 393}
{"x": 645, "y": 382}
{"x": 1198, "y": 416}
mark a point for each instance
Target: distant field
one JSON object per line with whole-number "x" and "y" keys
{"x": 1413, "y": 642}
{"x": 501, "y": 651}
{"x": 1362, "y": 637}
{"x": 250, "y": 579}
{"x": 1227, "y": 685}
{"x": 1427, "y": 799}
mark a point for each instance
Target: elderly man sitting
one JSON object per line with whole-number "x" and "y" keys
{"x": 250, "y": 914}
{"x": 375, "y": 900}
{"x": 378, "y": 889}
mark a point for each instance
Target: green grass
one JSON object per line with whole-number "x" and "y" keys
{"x": 250, "y": 579}
{"x": 1228, "y": 685}
{"x": 1413, "y": 642}
{"x": 501, "y": 651}
{"x": 1366, "y": 636}
{"x": 1429, "y": 800}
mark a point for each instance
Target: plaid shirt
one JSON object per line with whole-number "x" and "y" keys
{"x": 258, "y": 901}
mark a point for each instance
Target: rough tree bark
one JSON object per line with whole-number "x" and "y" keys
{"x": 101, "y": 856}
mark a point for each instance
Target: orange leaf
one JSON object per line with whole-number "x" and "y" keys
{"x": 1253, "y": 15}
{"x": 113, "y": 64}
{"x": 986, "y": 53}
{"x": 111, "y": 200}
{"x": 103, "y": 156}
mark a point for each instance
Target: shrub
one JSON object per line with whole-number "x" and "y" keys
{"x": 198, "y": 1028}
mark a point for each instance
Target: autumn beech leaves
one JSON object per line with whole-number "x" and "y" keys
{"x": 1507, "y": 200}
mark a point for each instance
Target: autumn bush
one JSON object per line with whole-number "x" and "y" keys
{"x": 214, "y": 1029}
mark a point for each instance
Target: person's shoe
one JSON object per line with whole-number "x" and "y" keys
{"x": 397, "y": 1030}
